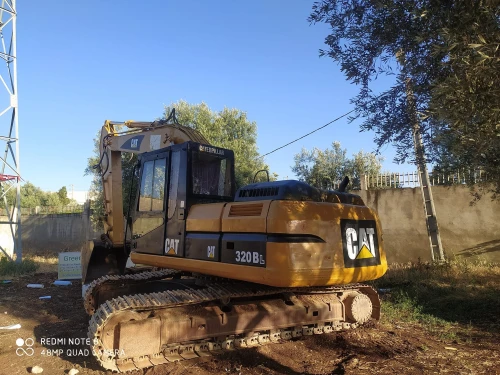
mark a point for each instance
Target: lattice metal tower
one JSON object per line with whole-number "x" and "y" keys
{"x": 10, "y": 228}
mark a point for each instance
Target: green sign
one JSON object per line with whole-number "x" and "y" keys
{"x": 70, "y": 266}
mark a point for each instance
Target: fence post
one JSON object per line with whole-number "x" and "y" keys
{"x": 363, "y": 182}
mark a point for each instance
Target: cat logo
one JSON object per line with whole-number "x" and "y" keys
{"x": 360, "y": 243}
{"x": 133, "y": 143}
{"x": 171, "y": 246}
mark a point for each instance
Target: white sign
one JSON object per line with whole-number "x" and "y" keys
{"x": 70, "y": 266}
{"x": 154, "y": 142}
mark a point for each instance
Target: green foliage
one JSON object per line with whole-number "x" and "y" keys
{"x": 326, "y": 168}
{"x": 51, "y": 199}
{"x": 365, "y": 39}
{"x": 468, "y": 97}
{"x": 32, "y": 196}
{"x": 63, "y": 196}
{"x": 449, "y": 51}
{"x": 11, "y": 268}
{"x": 96, "y": 194}
{"x": 228, "y": 128}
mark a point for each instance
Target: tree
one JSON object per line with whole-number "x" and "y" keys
{"x": 228, "y": 128}
{"x": 319, "y": 168}
{"x": 96, "y": 193}
{"x": 324, "y": 169}
{"x": 33, "y": 196}
{"x": 63, "y": 196}
{"x": 468, "y": 98}
{"x": 51, "y": 200}
{"x": 364, "y": 163}
{"x": 446, "y": 51}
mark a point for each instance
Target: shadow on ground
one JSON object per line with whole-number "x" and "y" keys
{"x": 480, "y": 249}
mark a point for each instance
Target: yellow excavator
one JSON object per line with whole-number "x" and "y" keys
{"x": 217, "y": 268}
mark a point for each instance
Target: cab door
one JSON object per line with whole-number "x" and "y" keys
{"x": 149, "y": 222}
{"x": 177, "y": 207}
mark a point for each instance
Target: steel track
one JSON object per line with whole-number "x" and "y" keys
{"x": 213, "y": 292}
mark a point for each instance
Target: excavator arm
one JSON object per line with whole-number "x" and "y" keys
{"x": 116, "y": 138}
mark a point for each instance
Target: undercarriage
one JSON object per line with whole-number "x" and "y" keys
{"x": 146, "y": 319}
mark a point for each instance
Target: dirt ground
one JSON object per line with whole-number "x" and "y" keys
{"x": 385, "y": 348}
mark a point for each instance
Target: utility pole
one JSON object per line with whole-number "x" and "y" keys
{"x": 436, "y": 247}
{"x": 10, "y": 179}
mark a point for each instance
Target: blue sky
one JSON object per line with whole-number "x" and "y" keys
{"x": 81, "y": 62}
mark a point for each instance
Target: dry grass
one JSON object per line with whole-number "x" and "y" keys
{"x": 11, "y": 268}
{"x": 456, "y": 300}
{"x": 45, "y": 263}
{"x": 30, "y": 264}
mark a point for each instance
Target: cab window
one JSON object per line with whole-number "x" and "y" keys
{"x": 211, "y": 175}
{"x": 152, "y": 194}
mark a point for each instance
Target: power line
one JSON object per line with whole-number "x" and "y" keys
{"x": 315, "y": 130}
{"x": 324, "y": 126}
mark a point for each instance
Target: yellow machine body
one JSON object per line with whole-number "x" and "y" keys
{"x": 288, "y": 264}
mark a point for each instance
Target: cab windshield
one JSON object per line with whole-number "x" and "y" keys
{"x": 211, "y": 174}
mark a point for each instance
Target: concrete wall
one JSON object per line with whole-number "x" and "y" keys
{"x": 466, "y": 231}
{"x": 7, "y": 234}
{"x": 53, "y": 233}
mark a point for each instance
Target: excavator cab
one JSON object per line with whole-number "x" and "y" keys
{"x": 171, "y": 181}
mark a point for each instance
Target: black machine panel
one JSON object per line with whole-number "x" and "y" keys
{"x": 360, "y": 243}
{"x": 244, "y": 249}
{"x": 248, "y": 249}
{"x": 203, "y": 246}
{"x": 291, "y": 190}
